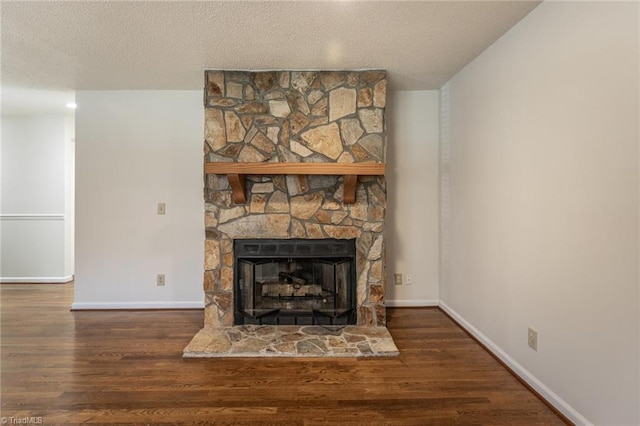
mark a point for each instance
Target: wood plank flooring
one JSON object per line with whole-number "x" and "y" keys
{"x": 126, "y": 367}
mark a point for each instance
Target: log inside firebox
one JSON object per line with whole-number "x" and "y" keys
{"x": 287, "y": 289}
{"x": 286, "y": 276}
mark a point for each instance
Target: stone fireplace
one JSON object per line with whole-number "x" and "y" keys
{"x": 303, "y": 118}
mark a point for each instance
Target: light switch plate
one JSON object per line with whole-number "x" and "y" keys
{"x": 397, "y": 279}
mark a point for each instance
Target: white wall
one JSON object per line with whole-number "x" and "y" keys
{"x": 70, "y": 196}
{"x": 543, "y": 225}
{"x": 135, "y": 149}
{"x": 138, "y": 148}
{"x": 412, "y": 192}
{"x": 36, "y": 214}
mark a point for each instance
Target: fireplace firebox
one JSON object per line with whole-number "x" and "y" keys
{"x": 295, "y": 282}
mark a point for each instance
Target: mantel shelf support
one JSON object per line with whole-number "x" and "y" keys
{"x": 236, "y": 174}
{"x": 237, "y": 183}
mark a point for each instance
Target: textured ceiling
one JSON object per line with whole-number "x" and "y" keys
{"x": 58, "y": 45}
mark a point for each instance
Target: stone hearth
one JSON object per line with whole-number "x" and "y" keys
{"x": 294, "y": 117}
{"x": 291, "y": 341}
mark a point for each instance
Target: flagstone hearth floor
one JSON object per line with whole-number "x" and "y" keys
{"x": 291, "y": 341}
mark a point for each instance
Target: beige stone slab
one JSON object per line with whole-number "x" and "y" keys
{"x": 342, "y": 102}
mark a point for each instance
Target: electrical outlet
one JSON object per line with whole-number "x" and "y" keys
{"x": 409, "y": 279}
{"x": 162, "y": 208}
{"x": 160, "y": 280}
{"x": 532, "y": 339}
{"x": 397, "y": 279}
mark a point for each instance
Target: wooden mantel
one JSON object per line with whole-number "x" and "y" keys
{"x": 236, "y": 173}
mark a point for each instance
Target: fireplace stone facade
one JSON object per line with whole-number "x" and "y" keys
{"x": 300, "y": 117}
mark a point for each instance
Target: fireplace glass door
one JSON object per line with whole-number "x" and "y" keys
{"x": 295, "y": 282}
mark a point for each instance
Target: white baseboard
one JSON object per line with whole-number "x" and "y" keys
{"x": 135, "y": 305}
{"x": 551, "y": 397}
{"x": 28, "y": 216}
{"x": 36, "y": 280}
{"x": 410, "y": 303}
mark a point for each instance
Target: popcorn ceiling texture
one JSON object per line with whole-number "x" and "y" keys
{"x": 425, "y": 43}
{"x": 295, "y": 116}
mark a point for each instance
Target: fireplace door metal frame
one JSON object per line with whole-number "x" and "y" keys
{"x": 249, "y": 253}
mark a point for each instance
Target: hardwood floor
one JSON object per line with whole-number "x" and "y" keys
{"x": 126, "y": 367}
